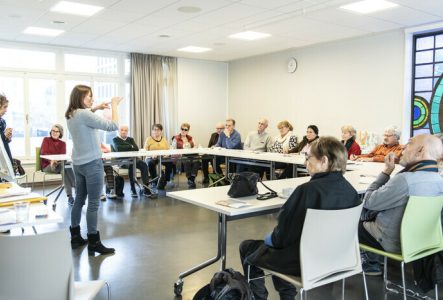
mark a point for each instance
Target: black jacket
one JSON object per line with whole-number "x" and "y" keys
{"x": 213, "y": 140}
{"x": 120, "y": 145}
{"x": 324, "y": 191}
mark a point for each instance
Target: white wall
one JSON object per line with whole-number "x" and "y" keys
{"x": 358, "y": 81}
{"x": 202, "y": 96}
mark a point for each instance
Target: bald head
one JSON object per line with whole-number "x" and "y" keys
{"x": 123, "y": 131}
{"x": 422, "y": 147}
{"x": 262, "y": 125}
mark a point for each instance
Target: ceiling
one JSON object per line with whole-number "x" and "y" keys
{"x": 136, "y": 25}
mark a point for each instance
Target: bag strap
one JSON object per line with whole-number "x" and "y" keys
{"x": 269, "y": 195}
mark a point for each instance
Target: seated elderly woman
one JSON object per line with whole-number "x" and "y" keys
{"x": 158, "y": 142}
{"x": 285, "y": 142}
{"x": 348, "y": 133}
{"x": 327, "y": 189}
{"x": 184, "y": 141}
{"x": 54, "y": 145}
{"x": 391, "y": 143}
{"x": 305, "y": 145}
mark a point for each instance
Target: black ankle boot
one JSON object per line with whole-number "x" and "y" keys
{"x": 95, "y": 245}
{"x": 76, "y": 238}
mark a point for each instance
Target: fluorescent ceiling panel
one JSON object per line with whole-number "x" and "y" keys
{"x": 74, "y": 8}
{"x": 369, "y": 6}
{"x": 194, "y": 49}
{"x": 249, "y": 35}
{"x": 42, "y": 31}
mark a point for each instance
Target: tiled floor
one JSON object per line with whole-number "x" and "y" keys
{"x": 155, "y": 240}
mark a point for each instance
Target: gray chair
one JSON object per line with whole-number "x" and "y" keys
{"x": 329, "y": 250}
{"x": 40, "y": 267}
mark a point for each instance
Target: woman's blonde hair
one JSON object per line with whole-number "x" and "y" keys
{"x": 334, "y": 150}
{"x": 350, "y": 129}
{"x": 285, "y": 123}
{"x": 186, "y": 125}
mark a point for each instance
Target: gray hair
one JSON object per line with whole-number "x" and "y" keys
{"x": 60, "y": 128}
{"x": 394, "y": 130}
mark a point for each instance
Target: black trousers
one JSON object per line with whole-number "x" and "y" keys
{"x": 152, "y": 165}
{"x": 286, "y": 290}
{"x": 141, "y": 165}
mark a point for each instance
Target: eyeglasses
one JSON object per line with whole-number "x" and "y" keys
{"x": 261, "y": 123}
{"x": 56, "y": 131}
{"x": 219, "y": 128}
{"x": 388, "y": 135}
{"x": 184, "y": 129}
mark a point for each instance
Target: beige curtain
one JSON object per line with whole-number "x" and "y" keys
{"x": 153, "y": 95}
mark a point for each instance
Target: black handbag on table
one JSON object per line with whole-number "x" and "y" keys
{"x": 245, "y": 184}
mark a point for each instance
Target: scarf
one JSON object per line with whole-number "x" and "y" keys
{"x": 424, "y": 165}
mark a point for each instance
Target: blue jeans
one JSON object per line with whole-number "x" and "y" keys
{"x": 89, "y": 183}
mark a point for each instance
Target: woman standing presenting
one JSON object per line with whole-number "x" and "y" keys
{"x": 87, "y": 162}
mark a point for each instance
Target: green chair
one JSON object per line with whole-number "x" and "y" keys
{"x": 420, "y": 236}
{"x": 38, "y": 169}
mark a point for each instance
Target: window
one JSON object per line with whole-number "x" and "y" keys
{"x": 427, "y": 83}
{"x": 90, "y": 64}
{"x": 26, "y": 59}
{"x": 38, "y": 84}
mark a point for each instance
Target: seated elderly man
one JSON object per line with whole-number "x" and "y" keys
{"x": 327, "y": 189}
{"x": 258, "y": 141}
{"x": 121, "y": 143}
{"x": 386, "y": 198}
{"x": 229, "y": 139}
{"x": 206, "y": 159}
{"x": 391, "y": 139}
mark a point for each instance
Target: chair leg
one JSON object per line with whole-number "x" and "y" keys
{"x": 249, "y": 271}
{"x": 403, "y": 279}
{"x": 365, "y": 286}
{"x": 44, "y": 179}
{"x": 343, "y": 289}
{"x": 303, "y": 294}
{"x": 108, "y": 287}
{"x": 436, "y": 291}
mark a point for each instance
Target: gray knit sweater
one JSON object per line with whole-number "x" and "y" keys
{"x": 83, "y": 127}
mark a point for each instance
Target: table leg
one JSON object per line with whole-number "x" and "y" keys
{"x": 59, "y": 188}
{"x": 272, "y": 170}
{"x": 221, "y": 254}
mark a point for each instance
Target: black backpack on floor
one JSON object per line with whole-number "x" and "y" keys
{"x": 226, "y": 285}
{"x": 119, "y": 185}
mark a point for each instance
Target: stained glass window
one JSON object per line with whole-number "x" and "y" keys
{"x": 427, "y": 83}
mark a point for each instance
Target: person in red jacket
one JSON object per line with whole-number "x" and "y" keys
{"x": 54, "y": 145}
{"x": 348, "y": 134}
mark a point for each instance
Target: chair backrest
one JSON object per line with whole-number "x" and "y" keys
{"x": 329, "y": 248}
{"x": 421, "y": 232}
{"x": 36, "y": 267}
{"x": 38, "y": 163}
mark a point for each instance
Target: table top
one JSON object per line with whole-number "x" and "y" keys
{"x": 241, "y": 154}
{"x": 207, "y": 197}
{"x": 52, "y": 218}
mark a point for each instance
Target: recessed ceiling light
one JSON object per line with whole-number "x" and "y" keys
{"x": 74, "y": 8}
{"x": 58, "y": 22}
{"x": 194, "y": 49}
{"x": 189, "y": 9}
{"x": 14, "y": 16}
{"x": 43, "y": 31}
{"x": 164, "y": 36}
{"x": 249, "y": 35}
{"x": 369, "y": 6}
